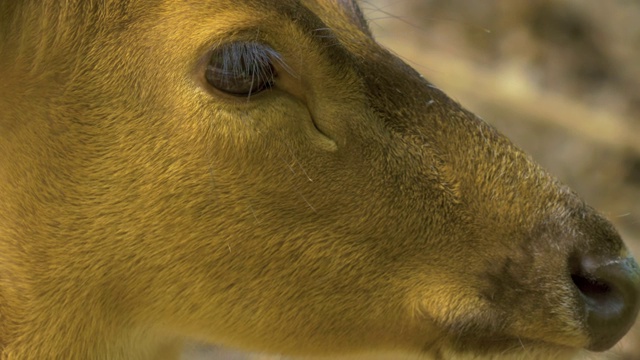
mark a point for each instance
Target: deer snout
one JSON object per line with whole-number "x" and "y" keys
{"x": 609, "y": 289}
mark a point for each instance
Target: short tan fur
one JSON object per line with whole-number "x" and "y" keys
{"x": 349, "y": 207}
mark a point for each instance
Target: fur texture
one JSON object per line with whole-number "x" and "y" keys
{"x": 350, "y": 207}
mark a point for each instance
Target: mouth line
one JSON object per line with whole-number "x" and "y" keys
{"x": 495, "y": 347}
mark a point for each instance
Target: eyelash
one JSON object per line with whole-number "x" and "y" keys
{"x": 242, "y": 68}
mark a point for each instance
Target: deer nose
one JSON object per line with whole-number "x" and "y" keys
{"x": 610, "y": 291}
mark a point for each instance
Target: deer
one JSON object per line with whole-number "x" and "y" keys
{"x": 263, "y": 175}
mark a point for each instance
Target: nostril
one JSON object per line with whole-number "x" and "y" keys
{"x": 610, "y": 292}
{"x": 598, "y": 295}
{"x": 592, "y": 289}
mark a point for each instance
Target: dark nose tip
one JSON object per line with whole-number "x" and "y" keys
{"x": 610, "y": 291}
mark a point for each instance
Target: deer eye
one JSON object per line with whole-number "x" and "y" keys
{"x": 241, "y": 68}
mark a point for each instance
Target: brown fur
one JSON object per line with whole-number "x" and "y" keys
{"x": 354, "y": 207}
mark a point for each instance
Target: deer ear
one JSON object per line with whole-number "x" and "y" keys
{"x": 355, "y": 14}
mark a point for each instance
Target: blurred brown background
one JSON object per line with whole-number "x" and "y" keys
{"x": 560, "y": 77}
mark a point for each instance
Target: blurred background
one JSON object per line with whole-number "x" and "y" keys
{"x": 561, "y": 78}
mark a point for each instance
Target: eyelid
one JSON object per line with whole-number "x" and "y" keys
{"x": 244, "y": 53}
{"x": 242, "y": 68}
{"x": 247, "y": 52}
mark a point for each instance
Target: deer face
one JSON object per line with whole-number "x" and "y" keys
{"x": 265, "y": 176}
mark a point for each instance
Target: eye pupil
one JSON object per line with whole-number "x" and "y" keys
{"x": 241, "y": 69}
